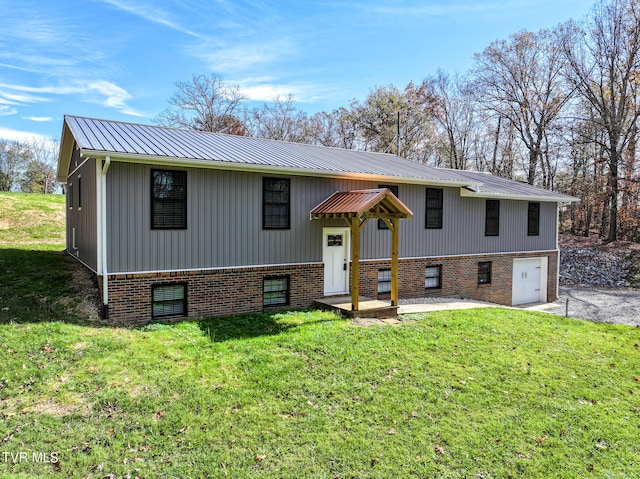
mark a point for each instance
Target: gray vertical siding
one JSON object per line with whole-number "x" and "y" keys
{"x": 225, "y": 223}
{"x": 84, "y": 219}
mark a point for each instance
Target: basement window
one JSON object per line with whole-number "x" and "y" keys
{"x": 384, "y": 281}
{"x": 169, "y": 300}
{"x": 275, "y": 291}
{"x": 432, "y": 277}
{"x": 484, "y": 272}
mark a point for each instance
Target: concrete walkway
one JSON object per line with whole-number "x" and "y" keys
{"x": 605, "y": 305}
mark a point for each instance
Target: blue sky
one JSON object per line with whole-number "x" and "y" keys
{"x": 120, "y": 59}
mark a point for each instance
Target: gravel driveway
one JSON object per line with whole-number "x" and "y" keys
{"x": 596, "y": 303}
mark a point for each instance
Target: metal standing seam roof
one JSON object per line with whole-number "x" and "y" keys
{"x": 358, "y": 202}
{"x": 148, "y": 143}
{"x": 495, "y": 186}
{"x": 104, "y": 137}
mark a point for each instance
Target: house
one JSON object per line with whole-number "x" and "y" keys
{"x": 187, "y": 224}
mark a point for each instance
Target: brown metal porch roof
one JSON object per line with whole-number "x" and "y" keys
{"x": 360, "y": 203}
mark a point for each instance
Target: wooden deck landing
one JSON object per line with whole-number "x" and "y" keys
{"x": 368, "y": 308}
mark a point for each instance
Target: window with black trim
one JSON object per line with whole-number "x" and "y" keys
{"x": 168, "y": 199}
{"x": 276, "y": 203}
{"x": 484, "y": 272}
{"x": 433, "y": 277}
{"x": 533, "y": 219}
{"x": 433, "y": 219}
{"x": 169, "y": 300}
{"x": 79, "y": 191}
{"x": 384, "y": 281}
{"x": 492, "y": 218}
{"x": 275, "y": 291}
{"x": 394, "y": 189}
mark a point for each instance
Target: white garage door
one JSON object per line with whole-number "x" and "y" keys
{"x": 529, "y": 281}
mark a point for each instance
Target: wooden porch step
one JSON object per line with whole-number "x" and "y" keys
{"x": 368, "y": 308}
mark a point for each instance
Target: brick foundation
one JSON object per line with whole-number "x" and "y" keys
{"x": 240, "y": 290}
{"x": 211, "y": 292}
{"x": 459, "y": 277}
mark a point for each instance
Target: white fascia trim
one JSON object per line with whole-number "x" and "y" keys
{"x": 219, "y": 268}
{"x": 465, "y": 193}
{"x": 255, "y": 168}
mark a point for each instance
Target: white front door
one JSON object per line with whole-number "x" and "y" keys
{"x": 529, "y": 281}
{"x": 335, "y": 256}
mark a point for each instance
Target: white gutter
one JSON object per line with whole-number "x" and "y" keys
{"x": 465, "y": 192}
{"x": 103, "y": 219}
{"x": 558, "y": 251}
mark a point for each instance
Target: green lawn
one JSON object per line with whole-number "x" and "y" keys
{"x": 487, "y": 393}
{"x": 480, "y": 393}
{"x": 29, "y": 218}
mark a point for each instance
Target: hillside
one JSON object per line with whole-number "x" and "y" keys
{"x": 39, "y": 281}
{"x": 30, "y": 219}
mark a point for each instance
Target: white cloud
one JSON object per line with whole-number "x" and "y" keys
{"x": 16, "y": 135}
{"x": 267, "y": 89}
{"x": 38, "y": 119}
{"x": 446, "y": 9}
{"x": 115, "y": 96}
{"x": 152, "y": 14}
{"x": 234, "y": 55}
{"x": 17, "y": 99}
{"x": 109, "y": 94}
{"x": 7, "y": 110}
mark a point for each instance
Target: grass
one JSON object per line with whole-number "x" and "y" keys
{"x": 31, "y": 219}
{"x": 488, "y": 393}
{"x": 480, "y": 393}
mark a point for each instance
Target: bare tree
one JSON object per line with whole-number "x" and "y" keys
{"x": 337, "y": 129}
{"x": 604, "y": 60}
{"x": 41, "y": 169}
{"x": 394, "y": 121}
{"x": 14, "y": 156}
{"x": 279, "y": 120}
{"x": 454, "y": 113}
{"x": 346, "y": 128}
{"x": 520, "y": 79}
{"x": 377, "y": 119}
{"x": 206, "y": 104}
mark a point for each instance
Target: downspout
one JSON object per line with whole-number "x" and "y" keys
{"x": 557, "y": 250}
{"x": 103, "y": 219}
